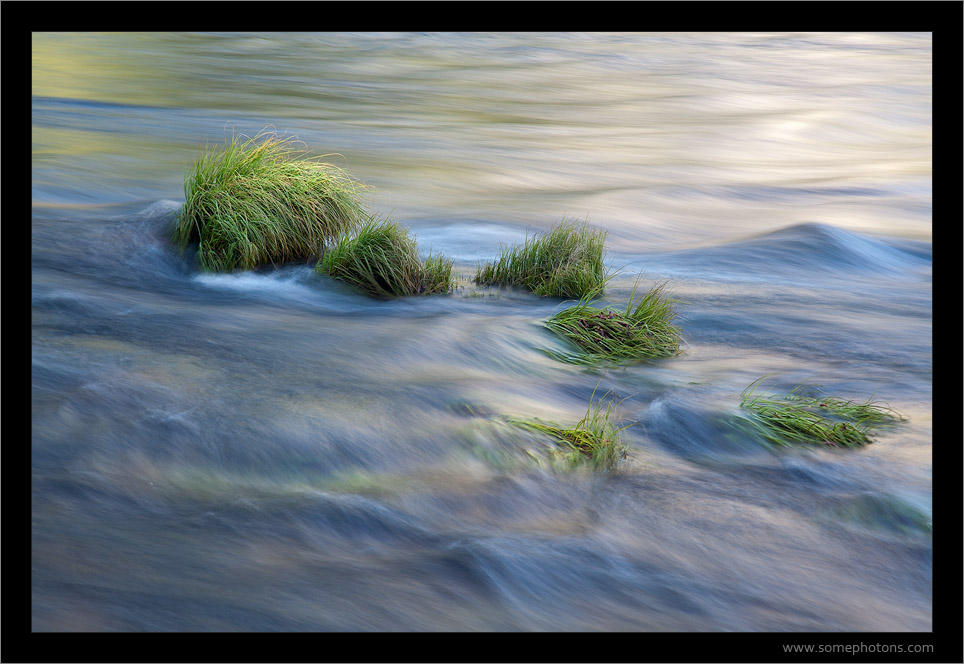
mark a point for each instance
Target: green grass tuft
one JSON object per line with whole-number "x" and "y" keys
{"x": 829, "y": 421}
{"x": 382, "y": 260}
{"x": 594, "y": 440}
{"x": 262, "y": 201}
{"x": 644, "y": 329}
{"x": 567, "y": 261}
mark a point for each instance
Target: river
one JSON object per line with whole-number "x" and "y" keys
{"x": 271, "y": 451}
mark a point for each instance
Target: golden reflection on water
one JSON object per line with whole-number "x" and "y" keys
{"x": 674, "y": 136}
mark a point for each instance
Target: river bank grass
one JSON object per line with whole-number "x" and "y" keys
{"x": 644, "y": 329}
{"x": 566, "y": 261}
{"x": 382, "y": 260}
{"x": 262, "y": 201}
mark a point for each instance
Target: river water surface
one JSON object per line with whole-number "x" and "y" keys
{"x": 272, "y": 451}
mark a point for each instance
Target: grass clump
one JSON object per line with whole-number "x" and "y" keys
{"x": 644, "y": 329}
{"x": 594, "y": 440}
{"x": 382, "y": 260}
{"x": 564, "y": 262}
{"x": 828, "y": 421}
{"x": 262, "y": 201}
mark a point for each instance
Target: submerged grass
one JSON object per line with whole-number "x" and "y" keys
{"x": 829, "y": 421}
{"x": 381, "y": 259}
{"x": 644, "y": 329}
{"x": 594, "y": 440}
{"x": 262, "y": 201}
{"x": 567, "y": 261}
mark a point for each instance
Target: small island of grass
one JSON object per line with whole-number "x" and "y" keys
{"x": 566, "y": 261}
{"x": 797, "y": 419}
{"x": 594, "y": 440}
{"x": 644, "y": 329}
{"x": 382, "y": 260}
{"x": 261, "y": 201}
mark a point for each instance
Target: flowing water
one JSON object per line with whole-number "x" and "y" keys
{"x": 270, "y": 450}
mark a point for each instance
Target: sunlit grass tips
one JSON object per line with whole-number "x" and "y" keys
{"x": 566, "y": 261}
{"x": 382, "y": 260}
{"x": 594, "y": 440}
{"x": 821, "y": 420}
{"x": 262, "y": 201}
{"x": 644, "y": 329}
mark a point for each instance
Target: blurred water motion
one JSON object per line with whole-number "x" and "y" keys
{"x": 271, "y": 451}
{"x": 649, "y": 133}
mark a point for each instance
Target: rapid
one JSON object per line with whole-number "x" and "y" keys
{"x": 270, "y": 450}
